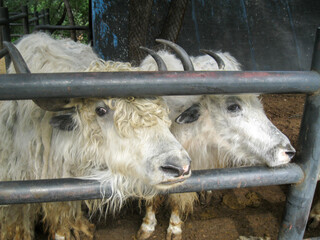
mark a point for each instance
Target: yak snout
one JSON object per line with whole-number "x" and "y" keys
{"x": 175, "y": 169}
{"x": 282, "y": 155}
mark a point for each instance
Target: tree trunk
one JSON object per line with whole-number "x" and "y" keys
{"x": 61, "y": 19}
{"x": 71, "y": 19}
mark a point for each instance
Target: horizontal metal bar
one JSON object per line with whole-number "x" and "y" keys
{"x": 69, "y": 189}
{"x": 58, "y": 27}
{"x": 17, "y": 17}
{"x": 120, "y": 84}
{"x": 16, "y": 35}
{"x": 33, "y": 19}
{"x": 16, "y": 24}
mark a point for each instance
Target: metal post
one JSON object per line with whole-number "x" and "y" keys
{"x": 43, "y": 18}
{"x": 25, "y": 20}
{"x": 300, "y": 195}
{"x": 4, "y": 14}
{"x": 36, "y": 15}
{"x": 47, "y": 16}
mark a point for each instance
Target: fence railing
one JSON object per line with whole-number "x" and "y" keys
{"x": 9, "y": 19}
{"x": 302, "y": 174}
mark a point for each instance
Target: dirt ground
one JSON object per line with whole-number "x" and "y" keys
{"x": 226, "y": 217}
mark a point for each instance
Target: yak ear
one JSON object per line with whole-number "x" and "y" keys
{"x": 63, "y": 122}
{"x": 190, "y": 115}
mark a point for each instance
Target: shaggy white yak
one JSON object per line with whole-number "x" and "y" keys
{"x": 124, "y": 143}
{"x": 217, "y": 131}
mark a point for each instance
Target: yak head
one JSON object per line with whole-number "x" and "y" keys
{"x": 220, "y": 130}
{"x": 124, "y": 137}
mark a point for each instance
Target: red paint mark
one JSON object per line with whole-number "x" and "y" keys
{"x": 253, "y": 74}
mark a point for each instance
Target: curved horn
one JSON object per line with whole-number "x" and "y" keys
{"x": 216, "y": 57}
{"x": 160, "y": 63}
{"x": 18, "y": 62}
{"x": 184, "y": 57}
{"x": 20, "y": 66}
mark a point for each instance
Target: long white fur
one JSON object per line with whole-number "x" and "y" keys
{"x": 217, "y": 139}
{"x": 124, "y": 149}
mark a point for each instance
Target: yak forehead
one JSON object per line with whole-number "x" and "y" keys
{"x": 129, "y": 114}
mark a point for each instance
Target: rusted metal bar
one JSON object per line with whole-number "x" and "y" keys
{"x": 17, "y": 192}
{"x": 121, "y": 84}
{"x": 58, "y": 27}
{"x": 300, "y": 195}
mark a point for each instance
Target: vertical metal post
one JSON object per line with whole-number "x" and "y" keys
{"x": 36, "y": 15}
{"x": 43, "y": 17}
{"x": 4, "y": 14}
{"x": 47, "y": 16}
{"x": 90, "y": 24}
{"x": 25, "y": 20}
{"x": 300, "y": 195}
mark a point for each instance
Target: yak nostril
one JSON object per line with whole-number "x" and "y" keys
{"x": 176, "y": 171}
{"x": 173, "y": 170}
{"x": 290, "y": 154}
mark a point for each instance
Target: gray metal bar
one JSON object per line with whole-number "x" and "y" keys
{"x": 30, "y": 86}
{"x": 16, "y": 35}
{"x": 58, "y": 27}
{"x": 18, "y": 192}
{"x": 17, "y": 17}
{"x": 300, "y": 195}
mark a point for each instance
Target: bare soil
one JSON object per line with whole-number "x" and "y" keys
{"x": 231, "y": 213}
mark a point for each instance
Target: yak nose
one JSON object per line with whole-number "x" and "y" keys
{"x": 290, "y": 154}
{"x": 174, "y": 170}
{"x": 290, "y": 151}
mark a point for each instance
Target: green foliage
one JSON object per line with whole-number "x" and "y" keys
{"x": 80, "y": 10}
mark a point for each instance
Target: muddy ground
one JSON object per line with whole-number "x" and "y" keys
{"x": 226, "y": 217}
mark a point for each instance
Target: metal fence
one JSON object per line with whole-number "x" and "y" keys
{"x": 302, "y": 174}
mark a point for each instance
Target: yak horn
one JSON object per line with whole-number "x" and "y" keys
{"x": 216, "y": 57}
{"x": 20, "y": 66}
{"x": 184, "y": 57}
{"x": 160, "y": 63}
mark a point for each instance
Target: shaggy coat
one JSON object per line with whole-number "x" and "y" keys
{"x": 218, "y": 131}
{"x": 123, "y": 143}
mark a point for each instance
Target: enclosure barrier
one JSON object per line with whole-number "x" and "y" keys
{"x": 302, "y": 175}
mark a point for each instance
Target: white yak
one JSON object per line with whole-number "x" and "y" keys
{"x": 217, "y": 131}
{"x": 124, "y": 143}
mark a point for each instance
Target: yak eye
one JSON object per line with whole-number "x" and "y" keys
{"x": 234, "y": 108}
{"x": 101, "y": 111}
